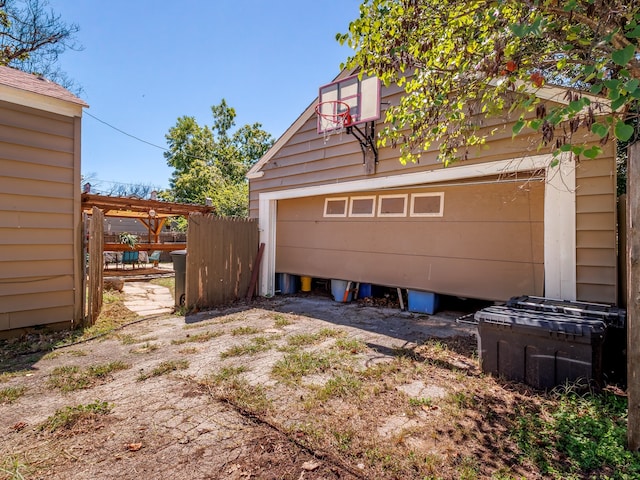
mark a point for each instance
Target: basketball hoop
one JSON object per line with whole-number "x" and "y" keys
{"x": 333, "y": 117}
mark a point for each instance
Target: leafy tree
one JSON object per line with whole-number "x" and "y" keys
{"x": 211, "y": 162}
{"x": 32, "y": 36}
{"x": 462, "y": 60}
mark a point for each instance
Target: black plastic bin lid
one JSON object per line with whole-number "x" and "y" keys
{"x": 541, "y": 321}
{"x": 613, "y": 316}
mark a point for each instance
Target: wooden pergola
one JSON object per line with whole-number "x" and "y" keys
{"x": 153, "y": 214}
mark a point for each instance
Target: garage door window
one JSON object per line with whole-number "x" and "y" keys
{"x": 362, "y": 206}
{"x": 427, "y": 204}
{"x": 392, "y": 206}
{"x": 335, "y": 207}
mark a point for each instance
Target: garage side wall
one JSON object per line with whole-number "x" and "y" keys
{"x": 306, "y": 159}
{"x": 39, "y": 224}
{"x": 596, "y": 226}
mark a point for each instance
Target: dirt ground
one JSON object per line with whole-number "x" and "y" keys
{"x": 296, "y": 387}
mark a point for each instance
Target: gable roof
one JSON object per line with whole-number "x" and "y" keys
{"x": 35, "y": 84}
{"x": 549, "y": 92}
{"x": 254, "y": 172}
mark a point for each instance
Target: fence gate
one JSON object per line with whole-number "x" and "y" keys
{"x": 220, "y": 257}
{"x": 95, "y": 260}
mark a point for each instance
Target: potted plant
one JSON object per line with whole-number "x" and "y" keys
{"x": 129, "y": 256}
{"x": 128, "y": 239}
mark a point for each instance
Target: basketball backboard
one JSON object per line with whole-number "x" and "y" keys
{"x": 361, "y": 95}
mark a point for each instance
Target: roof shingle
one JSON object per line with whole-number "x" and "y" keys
{"x": 35, "y": 84}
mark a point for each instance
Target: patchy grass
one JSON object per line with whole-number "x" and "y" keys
{"x": 6, "y": 376}
{"x": 350, "y": 345}
{"x": 341, "y": 386}
{"x": 189, "y": 350}
{"x": 302, "y": 339}
{"x": 68, "y": 417}
{"x": 128, "y": 339}
{"x": 70, "y": 378}
{"x": 164, "y": 368}
{"x": 227, "y": 373}
{"x": 59, "y": 353}
{"x": 256, "y": 345}
{"x": 113, "y": 315}
{"x": 11, "y": 394}
{"x": 298, "y": 364}
{"x": 227, "y": 386}
{"x": 193, "y": 326}
{"x": 280, "y": 320}
{"x": 52, "y": 355}
{"x": 198, "y": 338}
{"x": 13, "y": 467}
{"x": 146, "y": 347}
{"x": 245, "y": 331}
{"x": 578, "y": 433}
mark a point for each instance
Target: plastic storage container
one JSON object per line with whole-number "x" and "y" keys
{"x": 365, "y": 290}
{"x": 179, "y": 258}
{"x": 286, "y": 284}
{"x": 338, "y": 288}
{"x": 543, "y": 349}
{"x": 612, "y": 316}
{"x": 423, "y": 302}
{"x": 305, "y": 284}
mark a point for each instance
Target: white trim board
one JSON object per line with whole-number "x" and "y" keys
{"x": 559, "y": 213}
{"x": 40, "y": 102}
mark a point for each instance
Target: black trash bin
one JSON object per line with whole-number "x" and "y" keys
{"x": 179, "y": 258}
{"x": 542, "y": 349}
{"x": 614, "y": 348}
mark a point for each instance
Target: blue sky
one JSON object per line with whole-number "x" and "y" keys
{"x": 147, "y": 62}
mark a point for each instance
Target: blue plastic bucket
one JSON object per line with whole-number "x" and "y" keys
{"x": 337, "y": 290}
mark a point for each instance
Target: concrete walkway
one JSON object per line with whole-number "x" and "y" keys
{"x": 146, "y": 299}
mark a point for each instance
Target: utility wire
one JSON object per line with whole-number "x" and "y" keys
{"x": 140, "y": 139}
{"x": 125, "y": 133}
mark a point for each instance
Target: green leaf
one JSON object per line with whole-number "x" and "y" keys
{"x": 570, "y": 6}
{"x": 518, "y": 126}
{"x": 632, "y": 85}
{"x": 592, "y": 152}
{"x": 612, "y": 84}
{"x": 599, "y": 129}
{"x": 566, "y": 147}
{"x": 577, "y": 105}
{"x": 535, "y": 124}
{"x": 618, "y": 102}
{"x": 518, "y": 30}
{"x": 577, "y": 149}
{"x": 595, "y": 89}
{"x": 622, "y": 131}
{"x": 635, "y": 33}
{"x": 623, "y": 56}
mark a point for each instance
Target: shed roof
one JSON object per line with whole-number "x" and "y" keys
{"x": 37, "y": 84}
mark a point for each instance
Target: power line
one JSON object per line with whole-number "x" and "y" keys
{"x": 140, "y": 139}
{"x": 125, "y": 133}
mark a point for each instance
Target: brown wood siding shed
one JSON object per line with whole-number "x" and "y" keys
{"x": 39, "y": 277}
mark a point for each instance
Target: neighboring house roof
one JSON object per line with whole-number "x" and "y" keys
{"x": 37, "y": 84}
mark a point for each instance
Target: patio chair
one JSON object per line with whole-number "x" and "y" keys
{"x": 130, "y": 257}
{"x": 154, "y": 258}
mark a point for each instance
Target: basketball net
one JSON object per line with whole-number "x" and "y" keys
{"x": 333, "y": 117}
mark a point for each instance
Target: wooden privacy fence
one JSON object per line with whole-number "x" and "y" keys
{"x": 220, "y": 257}
{"x": 94, "y": 269}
